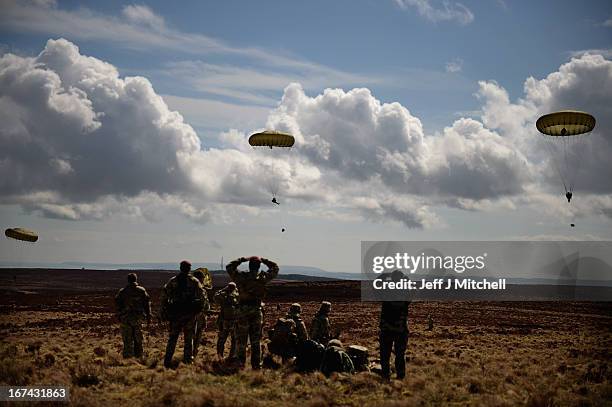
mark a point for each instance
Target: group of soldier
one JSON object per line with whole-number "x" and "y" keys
{"x": 185, "y": 305}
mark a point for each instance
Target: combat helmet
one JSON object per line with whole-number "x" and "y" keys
{"x": 295, "y": 309}
{"x": 335, "y": 342}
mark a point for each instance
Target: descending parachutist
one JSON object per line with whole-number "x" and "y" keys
{"x": 561, "y": 130}
{"x": 572, "y": 225}
{"x": 283, "y": 229}
{"x": 275, "y": 201}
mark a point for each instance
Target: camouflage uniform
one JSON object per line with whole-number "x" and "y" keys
{"x": 226, "y": 322}
{"x": 300, "y": 327}
{"x": 200, "y": 320}
{"x": 200, "y": 325}
{"x": 393, "y": 335}
{"x": 336, "y": 359}
{"x": 133, "y": 306}
{"x": 320, "y": 329}
{"x": 249, "y": 323}
{"x": 182, "y": 299}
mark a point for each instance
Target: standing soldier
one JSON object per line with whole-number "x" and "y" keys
{"x": 182, "y": 299}
{"x": 227, "y": 298}
{"x": 320, "y": 329}
{"x": 200, "y": 320}
{"x": 252, "y": 288}
{"x": 133, "y": 306}
{"x": 393, "y": 335}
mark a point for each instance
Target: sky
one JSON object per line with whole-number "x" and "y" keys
{"x": 124, "y": 126}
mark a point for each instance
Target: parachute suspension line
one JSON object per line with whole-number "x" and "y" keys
{"x": 273, "y": 187}
{"x": 549, "y": 143}
{"x": 565, "y": 140}
{"x": 284, "y": 210}
{"x": 578, "y": 146}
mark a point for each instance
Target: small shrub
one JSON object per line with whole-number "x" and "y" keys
{"x": 15, "y": 372}
{"x": 474, "y": 388}
{"x": 86, "y": 374}
{"x": 9, "y": 351}
{"x": 596, "y": 373}
{"x": 46, "y": 361}
{"x": 33, "y": 347}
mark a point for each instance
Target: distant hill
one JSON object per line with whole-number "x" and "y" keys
{"x": 566, "y": 271}
{"x": 221, "y": 275}
{"x": 573, "y": 268}
{"x": 301, "y": 273}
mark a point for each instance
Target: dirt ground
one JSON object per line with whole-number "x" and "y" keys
{"x": 55, "y": 332}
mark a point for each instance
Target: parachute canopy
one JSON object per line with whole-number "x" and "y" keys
{"x": 565, "y": 123}
{"x": 271, "y": 138}
{"x": 565, "y": 134}
{"x": 21, "y": 234}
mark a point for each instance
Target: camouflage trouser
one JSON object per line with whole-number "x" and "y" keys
{"x": 248, "y": 329}
{"x": 200, "y": 326}
{"x": 398, "y": 342}
{"x": 226, "y": 329}
{"x": 187, "y": 326}
{"x": 131, "y": 332}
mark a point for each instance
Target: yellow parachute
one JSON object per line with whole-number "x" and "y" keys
{"x": 565, "y": 123}
{"x": 565, "y": 133}
{"x": 271, "y": 138}
{"x": 21, "y": 234}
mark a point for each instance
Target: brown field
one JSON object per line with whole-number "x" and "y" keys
{"x": 57, "y": 328}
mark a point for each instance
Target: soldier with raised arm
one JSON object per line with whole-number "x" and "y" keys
{"x": 252, "y": 288}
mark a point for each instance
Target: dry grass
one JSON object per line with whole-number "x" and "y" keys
{"x": 491, "y": 354}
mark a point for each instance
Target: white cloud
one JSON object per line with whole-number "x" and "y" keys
{"x": 583, "y": 83}
{"x": 454, "y": 66}
{"x": 72, "y": 126}
{"x": 445, "y": 11}
{"x": 355, "y": 135}
{"x": 605, "y": 52}
{"x": 608, "y": 22}
{"x": 78, "y": 141}
{"x": 141, "y": 14}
